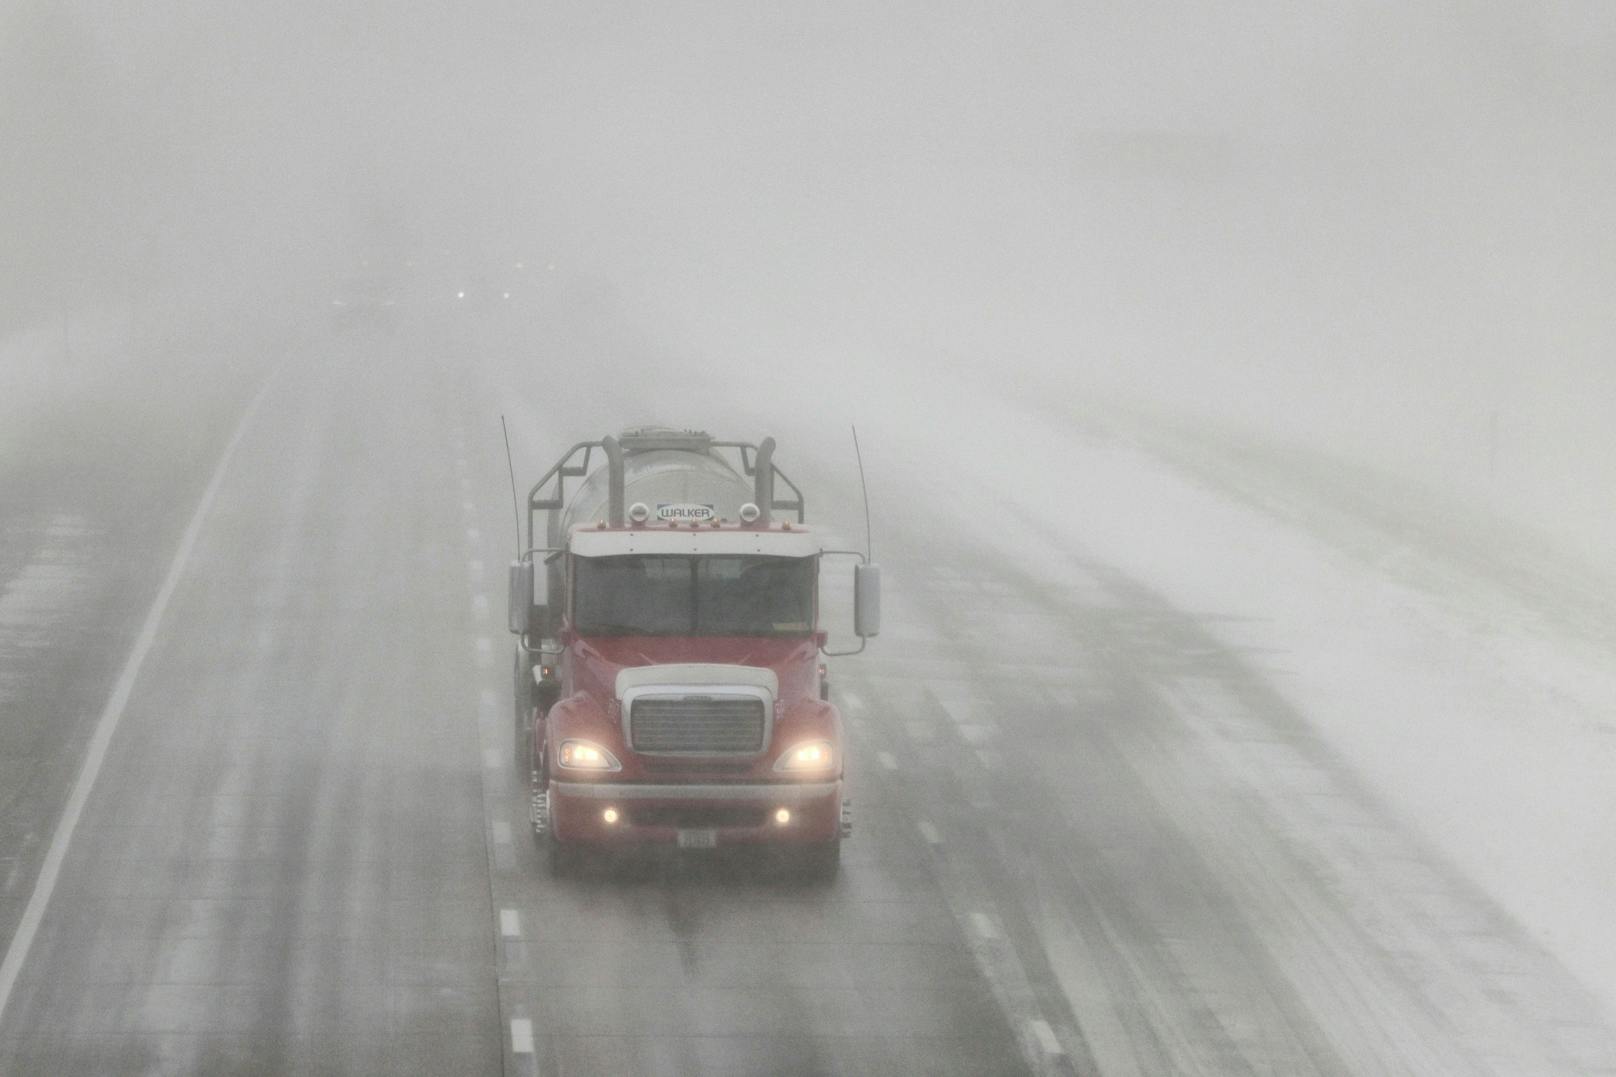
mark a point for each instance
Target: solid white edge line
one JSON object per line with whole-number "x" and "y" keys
{"x": 23, "y": 940}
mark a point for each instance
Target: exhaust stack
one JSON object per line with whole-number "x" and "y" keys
{"x": 614, "y": 480}
{"x": 763, "y": 481}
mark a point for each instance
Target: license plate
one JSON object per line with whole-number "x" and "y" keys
{"x": 698, "y": 839}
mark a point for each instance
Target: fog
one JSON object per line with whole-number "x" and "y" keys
{"x": 1389, "y": 230}
{"x": 1286, "y": 692}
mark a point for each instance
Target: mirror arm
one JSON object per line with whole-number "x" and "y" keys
{"x": 863, "y": 640}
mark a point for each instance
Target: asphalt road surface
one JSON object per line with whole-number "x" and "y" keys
{"x": 1090, "y": 837}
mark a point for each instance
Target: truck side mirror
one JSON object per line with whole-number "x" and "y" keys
{"x": 545, "y": 622}
{"x": 521, "y": 597}
{"x": 867, "y": 600}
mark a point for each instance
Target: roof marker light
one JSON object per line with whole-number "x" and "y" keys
{"x": 750, "y": 513}
{"x": 639, "y": 512}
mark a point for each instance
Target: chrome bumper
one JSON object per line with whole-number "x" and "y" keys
{"x": 775, "y": 793}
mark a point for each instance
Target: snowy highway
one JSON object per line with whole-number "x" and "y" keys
{"x": 1095, "y": 831}
{"x": 1233, "y": 386}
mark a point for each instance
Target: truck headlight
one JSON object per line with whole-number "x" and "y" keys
{"x": 582, "y": 755}
{"x": 813, "y": 755}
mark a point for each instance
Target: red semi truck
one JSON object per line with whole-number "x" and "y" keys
{"x": 669, "y": 686}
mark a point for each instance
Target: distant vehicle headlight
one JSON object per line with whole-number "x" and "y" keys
{"x": 582, "y": 755}
{"x": 810, "y": 756}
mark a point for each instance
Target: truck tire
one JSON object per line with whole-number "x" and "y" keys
{"x": 820, "y": 863}
{"x": 523, "y": 713}
{"x": 560, "y": 859}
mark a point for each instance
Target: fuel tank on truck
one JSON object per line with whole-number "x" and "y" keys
{"x": 670, "y": 471}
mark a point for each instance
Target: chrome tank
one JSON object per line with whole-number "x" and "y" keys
{"x": 656, "y": 477}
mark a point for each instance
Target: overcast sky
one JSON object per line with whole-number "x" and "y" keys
{"x": 1381, "y": 224}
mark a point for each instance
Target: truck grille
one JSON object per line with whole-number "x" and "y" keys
{"x": 696, "y": 815}
{"x": 702, "y": 724}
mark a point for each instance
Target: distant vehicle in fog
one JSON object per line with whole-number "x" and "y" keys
{"x": 369, "y": 298}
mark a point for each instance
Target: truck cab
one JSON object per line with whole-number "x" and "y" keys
{"x": 669, "y": 682}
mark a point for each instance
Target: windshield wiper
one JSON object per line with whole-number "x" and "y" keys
{"x": 610, "y": 628}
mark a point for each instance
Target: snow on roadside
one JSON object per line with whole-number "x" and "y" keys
{"x": 1493, "y": 737}
{"x": 49, "y": 365}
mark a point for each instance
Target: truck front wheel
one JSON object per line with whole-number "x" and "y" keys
{"x": 560, "y": 858}
{"x": 524, "y": 745}
{"x": 523, "y": 712}
{"x": 820, "y": 862}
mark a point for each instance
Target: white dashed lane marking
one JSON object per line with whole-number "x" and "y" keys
{"x": 492, "y": 758}
{"x": 479, "y": 606}
{"x": 929, "y": 832}
{"x": 886, "y": 759}
{"x": 1045, "y": 1036}
{"x": 504, "y": 853}
{"x": 33, "y": 914}
{"x": 521, "y": 1036}
{"x": 984, "y": 926}
{"x": 474, "y": 569}
{"x": 510, "y": 924}
{"x": 920, "y": 732}
{"x": 474, "y": 536}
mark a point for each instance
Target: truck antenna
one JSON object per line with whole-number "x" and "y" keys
{"x": 516, "y": 508}
{"x": 869, "y": 553}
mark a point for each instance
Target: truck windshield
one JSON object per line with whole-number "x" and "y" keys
{"x": 706, "y": 595}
